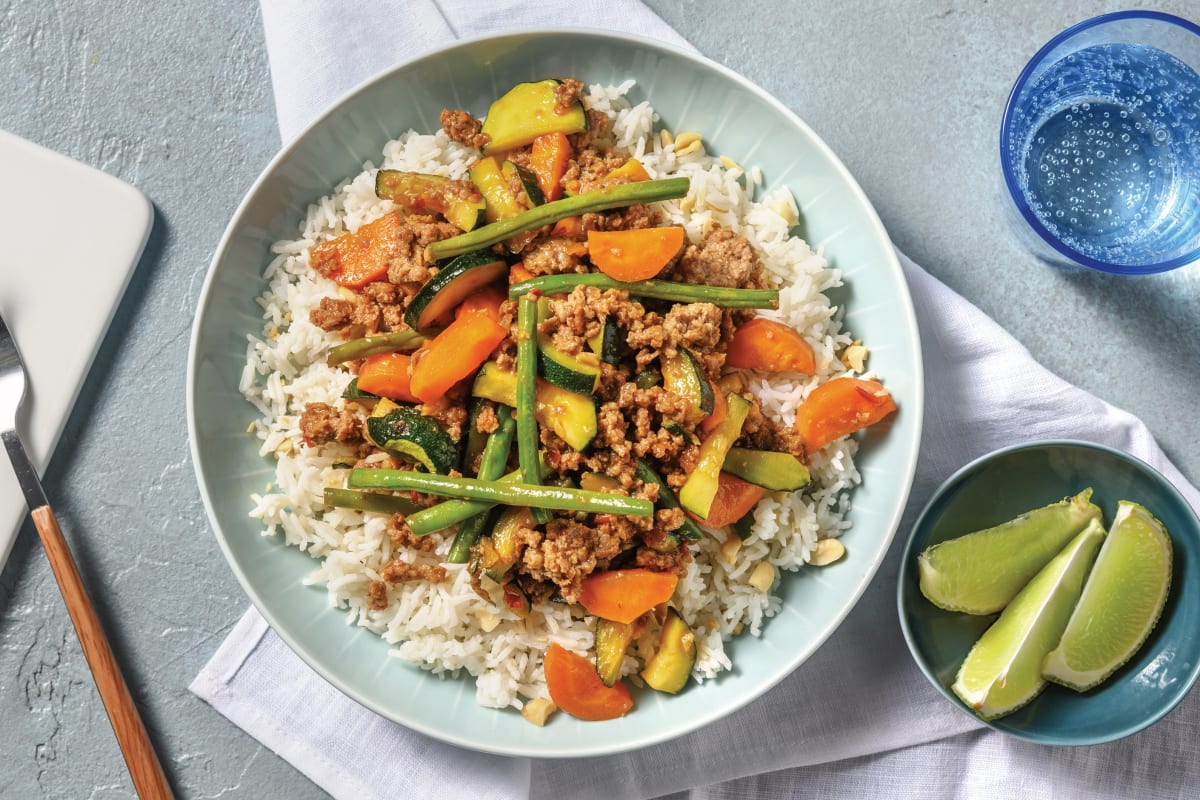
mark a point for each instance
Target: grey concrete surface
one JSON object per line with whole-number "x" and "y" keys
{"x": 175, "y": 99}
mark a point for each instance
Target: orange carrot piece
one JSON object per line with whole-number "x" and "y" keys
{"x": 356, "y": 259}
{"x": 720, "y": 409}
{"x": 839, "y": 408}
{"x": 577, "y": 689}
{"x": 518, "y": 273}
{"x": 455, "y": 353}
{"x": 734, "y": 499}
{"x": 387, "y": 375}
{"x": 485, "y": 301}
{"x": 548, "y": 159}
{"x": 568, "y": 228}
{"x": 772, "y": 346}
{"x": 634, "y": 255}
{"x": 623, "y": 595}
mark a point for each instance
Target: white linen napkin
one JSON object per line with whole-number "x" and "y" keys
{"x": 974, "y": 371}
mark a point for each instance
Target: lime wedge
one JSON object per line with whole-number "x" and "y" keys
{"x": 1121, "y": 602}
{"x": 1003, "y": 671}
{"x": 981, "y": 572}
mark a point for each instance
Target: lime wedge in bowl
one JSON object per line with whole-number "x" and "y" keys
{"x": 981, "y": 572}
{"x": 1121, "y": 602}
{"x": 1003, "y": 671}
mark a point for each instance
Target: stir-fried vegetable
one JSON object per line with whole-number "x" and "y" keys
{"x": 387, "y": 375}
{"x": 369, "y": 501}
{"x": 655, "y": 290}
{"x": 527, "y": 430}
{"x": 576, "y": 688}
{"x": 701, "y": 485}
{"x": 623, "y": 595}
{"x": 394, "y": 342}
{"x": 548, "y": 159}
{"x": 491, "y": 467}
{"x": 839, "y": 408}
{"x": 768, "y": 345}
{"x": 454, "y": 354}
{"x": 599, "y": 200}
{"x": 356, "y": 259}
{"x": 634, "y": 255}
{"x": 733, "y": 500}
{"x": 666, "y": 499}
{"x": 555, "y": 498}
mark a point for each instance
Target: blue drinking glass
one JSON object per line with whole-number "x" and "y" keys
{"x": 1100, "y": 145}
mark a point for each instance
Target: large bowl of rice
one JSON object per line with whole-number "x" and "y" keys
{"x": 432, "y": 663}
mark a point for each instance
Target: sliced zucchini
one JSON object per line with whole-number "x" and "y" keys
{"x": 498, "y": 551}
{"x": 612, "y": 640}
{"x": 476, "y": 439}
{"x": 647, "y": 378}
{"x": 700, "y": 488}
{"x": 572, "y": 416}
{"x": 779, "y": 472}
{"x": 744, "y": 525}
{"x": 407, "y": 432}
{"x": 417, "y": 191}
{"x": 527, "y": 180}
{"x": 489, "y": 179}
{"x": 579, "y": 373}
{"x": 599, "y": 482}
{"x": 434, "y": 303}
{"x": 671, "y": 665}
{"x": 675, "y": 429}
{"x": 608, "y": 342}
{"x": 682, "y": 376}
{"x": 525, "y": 112}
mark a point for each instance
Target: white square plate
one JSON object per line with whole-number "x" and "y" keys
{"x": 72, "y": 235}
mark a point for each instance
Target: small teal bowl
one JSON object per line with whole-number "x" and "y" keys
{"x": 998, "y": 487}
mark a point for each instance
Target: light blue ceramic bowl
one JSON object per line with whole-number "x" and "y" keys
{"x": 998, "y": 487}
{"x": 690, "y": 93}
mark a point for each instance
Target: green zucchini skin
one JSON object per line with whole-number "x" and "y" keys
{"x": 671, "y": 665}
{"x": 612, "y": 640}
{"x": 682, "y": 376}
{"x": 435, "y": 301}
{"x": 525, "y": 112}
{"x": 407, "y": 432}
{"x": 700, "y": 488}
{"x": 570, "y": 415}
{"x": 609, "y": 345}
{"x": 778, "y": 472}
{"x": 527, "y": 180}
{"x": 352, "y": 392}
{"x": 573, "y": 373}
{"x": 417, "y": 191}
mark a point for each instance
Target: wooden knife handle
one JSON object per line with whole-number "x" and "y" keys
{"x": 144, "y": 767}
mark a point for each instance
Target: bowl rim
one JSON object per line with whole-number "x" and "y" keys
{"x": 903, "y": 301}
{"x": 907, "y": 555}
{"x": 1009, "y": 173}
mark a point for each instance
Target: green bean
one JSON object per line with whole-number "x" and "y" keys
{"x": 491, "y": 467}
{"x": 370, "y": 501}
{"x": 392, "y": 342}
{"x": 510, "y": 494}
{"x": 666, "y": 499}
{"x": 527, "y": 429}
{"x": 658, "y": 290}
{"x": 600, "y": 200}
{"x": 452, "y": 512}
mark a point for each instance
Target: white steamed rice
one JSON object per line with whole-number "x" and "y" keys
{"x": 447, "y": 628}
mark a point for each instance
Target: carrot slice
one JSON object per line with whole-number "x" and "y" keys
{"x": 576, "y": 688}
{"x": 772, "y": 346}
{"x": 839, "y": 408}
{"x": 634, "y": 255}
{"x": 387, "y": 375}
{"x": 548, "y": 159}
{"x": 568, "y": 228}
{"x": 356, "y": 259}
{"x": 720, "y": 409}
{"x": 518, "y": 273}
{"x": 454, "y": 354}
{"x": 623, "y": 595}
{"x": 734, "y": 499}
{"x": 485, "y": 301}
